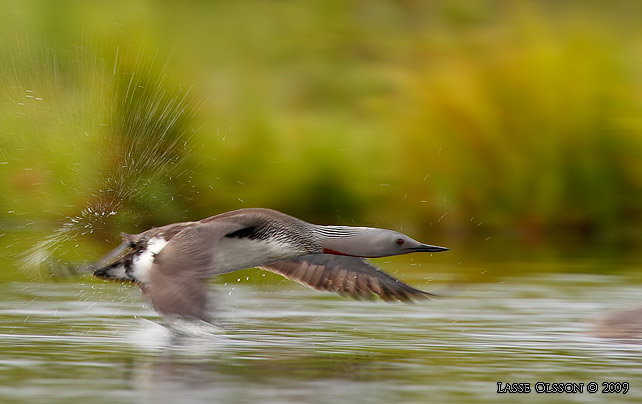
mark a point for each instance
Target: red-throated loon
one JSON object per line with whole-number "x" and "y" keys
{"x": 172, "y": 263}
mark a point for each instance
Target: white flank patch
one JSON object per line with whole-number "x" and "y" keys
{"x": 156, "y": 244}
{"x": 142, "y": 264}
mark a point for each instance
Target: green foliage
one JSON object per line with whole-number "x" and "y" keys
{"x": 433, "y": 117}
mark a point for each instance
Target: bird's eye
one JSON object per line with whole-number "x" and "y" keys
{"x": 399, "y": 241}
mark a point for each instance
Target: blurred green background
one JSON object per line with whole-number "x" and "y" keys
{"x": 503, "y": 128}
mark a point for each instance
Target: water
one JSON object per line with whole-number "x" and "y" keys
{"x": 88, "y": 342}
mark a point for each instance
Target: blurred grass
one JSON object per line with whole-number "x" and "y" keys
{"x": 448, "y": 120}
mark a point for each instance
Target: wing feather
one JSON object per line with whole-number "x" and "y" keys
{"x": 316, "y": 277}
{"x": 177, "y": 284}
{"x": 349, "y": 276}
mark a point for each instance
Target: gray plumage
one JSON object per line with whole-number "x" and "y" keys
{"x": 172, "y": 263}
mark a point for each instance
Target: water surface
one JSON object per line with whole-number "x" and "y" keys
{"x": 88, "y": 342}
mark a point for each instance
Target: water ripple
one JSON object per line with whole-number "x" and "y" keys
{"x": 65, "y": 342}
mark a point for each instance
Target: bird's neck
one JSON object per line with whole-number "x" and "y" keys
{"x": 343, "y": 240}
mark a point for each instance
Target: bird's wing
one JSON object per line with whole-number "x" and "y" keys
{"x": 347, "y": 276}
{"x": 177, "y": 279}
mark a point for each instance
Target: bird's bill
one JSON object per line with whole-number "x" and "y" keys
{"x": 429, "y": 248}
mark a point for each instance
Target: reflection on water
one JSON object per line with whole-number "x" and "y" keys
{"x": 70, "y": 342}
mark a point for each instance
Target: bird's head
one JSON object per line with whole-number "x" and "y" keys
{"x": 370, "y": 242}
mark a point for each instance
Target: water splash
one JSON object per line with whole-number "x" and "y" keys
{"x": 44, "y": 256}
{"x": 129, "y": 120}
{"x": 190, "y": 338}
